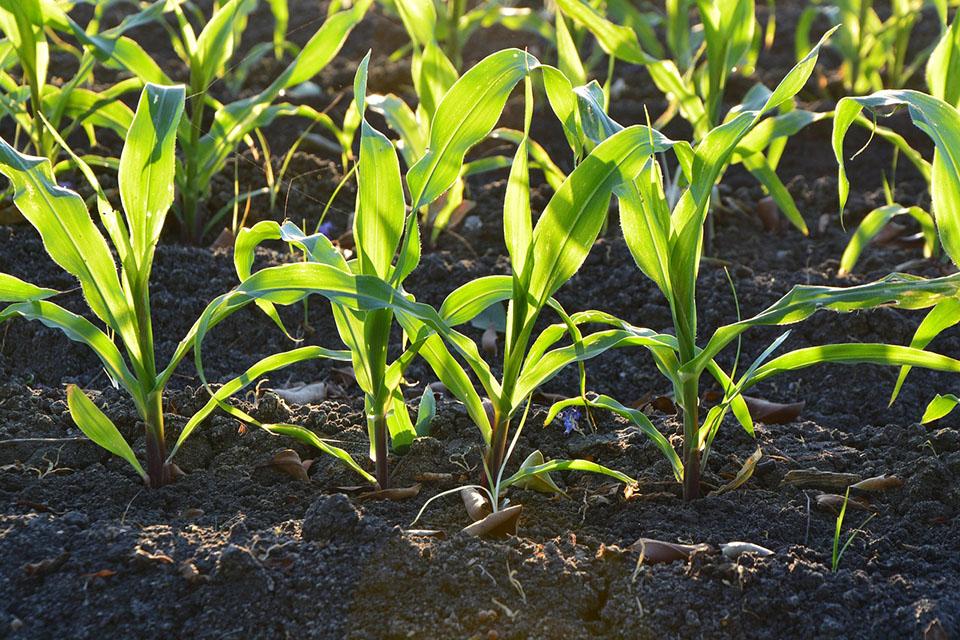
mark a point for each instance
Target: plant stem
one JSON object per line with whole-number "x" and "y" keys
{"x": 691, "y": 449}
{"x": 157, "y": 470}
{"x": 498, "y": 448}
{"x": 457, "y": 9}
{"x": 380, "y": 449}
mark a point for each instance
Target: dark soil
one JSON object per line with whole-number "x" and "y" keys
{"x": 236, "y": 548}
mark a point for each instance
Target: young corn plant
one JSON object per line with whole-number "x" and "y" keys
{"x": 665, "y": 237}
{"x": 32, "y": 103}
{"x": 208, "y": 56}
{"x": 874, "y": 50}
{"x": 121, "y": 302}
{"x": 387, "y": 245}
{"x": 544, "y": 258}
{"x": 940, "y": 121}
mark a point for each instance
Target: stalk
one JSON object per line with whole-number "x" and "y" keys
{"x": 156, "y": 445}
{"x": 380, "y": 449}
{"x": 457, "y": 9}
{"x": 691, "y": 450}
{"x": 498, "y": 448}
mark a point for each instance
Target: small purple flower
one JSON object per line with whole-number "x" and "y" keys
{"x": 570, "y": 417}
{"x": 326, "y": 229}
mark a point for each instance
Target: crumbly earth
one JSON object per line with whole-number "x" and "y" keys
{"x": 237, "y": 548}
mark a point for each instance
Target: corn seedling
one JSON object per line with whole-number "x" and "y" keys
{"x": 874, "y": 50}
{"x": 121, "y": 302}
{"x": 29, "y": 100}
{"x": 838, "y": 550}
{"x": 208, "y": 56}
{"x": 544, "y": 258}
{"x": 940, "y": 121}
{"x": 667, "y": 244}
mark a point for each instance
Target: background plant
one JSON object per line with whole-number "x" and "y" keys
{"x": 874, "y": 50}
{"x": 26, "y": 95}
{"x": 940, "y": 121}
{"x": 208, "y": 56}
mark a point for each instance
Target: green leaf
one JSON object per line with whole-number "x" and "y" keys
{"x": 217, "y": 41}
{"x": 465, "y": 116}
{"x": 634, "y": 416}
{"x": 565, "y": 465}
{"x": 874, "y": 222}
{"x": 379, "y": 219}
{"x": 540, "y": 481}
{"x": 426, "y": 412}
{"x": 310, "y": 438}
{"x": 147, "y": 165}
{"x": 939, "y": 407}
{"x": 944, "y": 315}
{"x": 13, "y": 289}
{"x": 941, "y": 122}
{"x": 943, "y": 67}
{"x": 97, "y": 426}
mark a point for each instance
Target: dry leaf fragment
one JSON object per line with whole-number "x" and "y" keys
{"x": 46, "y": 566}
{"x": 816, "y": 479}
{"x": 478, "y": 507}
{"x": 394, "y": 493}
{"x": 304, "y": 394}
{"x": 489, "y": 342}
{"x": 103, "y": 573}
{"x": 773, "y": 412}
{"x": 736, "y": 549}
{"x": 501, "y": 524}
{"x": 878, "y": 483}
{"x": 769, "y": 214}
{"x": 426, "y": 533}
{"x": 224, "y": 241}
{"x": 288, "y": 461}
{"x": 658, "y": 551}
{"x": 833, "y": 503}
{"x": 744, "y": 474}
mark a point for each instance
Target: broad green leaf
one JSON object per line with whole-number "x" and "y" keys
{"x": 565, "y": 465}
{"x": 541, "y": 481}
{"x": 97, "y": 426}
{"x": 465, "y": 116}
{"x": 310, "y": 438}
{"x": 944, "y": 315}
{"x": 939, "y": 407}
{"x": 426, "y": 412}
{"x": 874, "y": 222}
{"x": 617, "y": 41}
{"x": 13, "y": 289}
{"x": 147, "y": 165}
{"x": 70, "y": 238}
{"x": 217, "y": 41}
{"x": 266, "y": 365}
{"x": 941, "y": 122}
{"x": 943, "y": 67}
{"x": 379, "y": 219}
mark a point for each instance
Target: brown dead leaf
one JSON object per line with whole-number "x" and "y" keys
{"x": 103, "y": 573}
{"x": 816, "y": 479}
{"x": 735, "y": 549}
{"x": 224, "y": 241}
{"x": 501, "y": 524}
{"x": 889, "y": 233}
{"x": 658, "y": 551}
{"x": 769, "y": 214}
{"x": 304, "y": 394}
{"x": 46, "y": 566}
{"x": 664, "y": 404}
{"x": 478, "y": 507}
{"x": 773, "y": 412}
{"x": 744, "y": 474}
{"x": 877, "y": 483}
{"x": 833, "y": 503}
{"x": 288, "y": 461}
